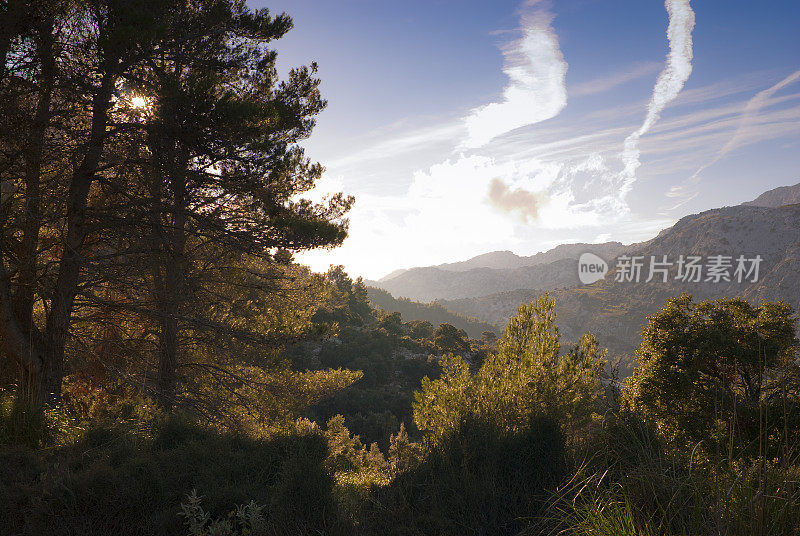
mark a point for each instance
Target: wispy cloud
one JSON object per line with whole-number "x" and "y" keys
{"x": 747, "y": 119}
{"x": 407, "y": 142}
{"x": 669, "y": 84}
{"x": 536, "y": 88}
{"x": 608, "y": 82}
{"x": 564, "y": 180}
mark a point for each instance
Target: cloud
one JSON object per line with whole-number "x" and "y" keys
{"x": 752, "y": 108}
{"x": 747, "y": 120}
{"x": 605, "y": 83}
{"x": 668, "y": 86}
{"x": 404, "y": 143}
{"x": 606, "y": 200}
{"x": 536, "y": 90}
{"x": 561, "y": 181}
{"x": 428, "y": 223}
{"x": 515, "y": 201}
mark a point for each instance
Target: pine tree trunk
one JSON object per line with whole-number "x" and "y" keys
{"x": 168, "y": 356}
{"x": 170, "y": 277}
{"x": 58, "y": 321}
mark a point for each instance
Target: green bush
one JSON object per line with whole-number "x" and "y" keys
{"x": 114, "y": 481}
{"x": 479, "y": 479}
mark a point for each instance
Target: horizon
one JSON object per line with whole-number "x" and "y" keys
{"x": 398, "y": 271}
{"x": 463, "y": 129}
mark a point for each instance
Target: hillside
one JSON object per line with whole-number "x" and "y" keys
{"x": 615, "y": 311}
{"x": 434, "y": 312}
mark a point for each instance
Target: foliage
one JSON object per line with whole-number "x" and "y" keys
{"x": 707, "y": 439}
{"x": 23, "y": 426}
{"x": 635, "y": 486}
{"x": 392, "y": 355}
{"x": 479, "y": 479}
{"x": 162, "y": 339}
{"x": 527, "y": 376}
{"x": 152, "y": 195}
{"x": 449, "y": 339}
{"x": 250, "y": 398}
{"x": 120, "y": 480}
{"x": 483, "y": 468}
{"x": 721, "y": 372}
{"x": 246, "y": 519}
{"x": 346, "y": 301}
{"x": 434, "y": 313}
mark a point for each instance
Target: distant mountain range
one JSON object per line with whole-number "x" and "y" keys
{"x": 494, "y": 272}
{"x": 783, "y": 195}
{"x": 490, "y": 287}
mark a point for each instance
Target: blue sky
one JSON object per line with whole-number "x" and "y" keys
{"x": 464, "y": 127}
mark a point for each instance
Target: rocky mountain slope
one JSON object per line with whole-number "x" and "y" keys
{"x": 615, "y": 311}
{"x": 783, "y": 195}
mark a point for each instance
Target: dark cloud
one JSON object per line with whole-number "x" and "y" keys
{"x": 521, "y": 202}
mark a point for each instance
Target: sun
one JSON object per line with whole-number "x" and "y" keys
{"x": 139, "y": 103}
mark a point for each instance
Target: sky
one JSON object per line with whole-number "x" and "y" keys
{"x": 463, "y": 127}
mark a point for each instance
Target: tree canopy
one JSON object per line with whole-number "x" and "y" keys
{"x": 711, "y": 370}
{"x": 150, "y": 164}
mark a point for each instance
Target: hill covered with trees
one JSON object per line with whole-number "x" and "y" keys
{"x": 432, "y": 312}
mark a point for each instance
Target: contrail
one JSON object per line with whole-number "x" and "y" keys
{"x": 669, "y": 84}
{"x": 749, "y": 114}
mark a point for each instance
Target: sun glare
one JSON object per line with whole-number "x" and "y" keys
{"x": 139, "y": 103}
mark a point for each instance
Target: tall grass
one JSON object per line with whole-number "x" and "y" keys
{"x": 633, "y": 486}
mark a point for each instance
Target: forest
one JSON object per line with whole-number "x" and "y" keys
{"x": 167, "y": 367}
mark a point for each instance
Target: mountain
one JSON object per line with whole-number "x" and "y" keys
{"x": 606, "y": 250}
{"x": 395, "y": 273}
{"x": 498, "y": 260}
{"x": 615, "y": 311}
{"x": 490, "y": 287}
{"x": 494, "y": 272}
{"x": 783, "y": 195}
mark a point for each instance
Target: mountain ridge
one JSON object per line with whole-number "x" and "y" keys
{"x": 616, "y": 311}
{"x": 429, "y": 283}
{"x": 780, "y": 196}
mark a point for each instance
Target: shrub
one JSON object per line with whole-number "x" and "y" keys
{"x": 529, "y": 375}
{"x": 479, "y": 479}
{"x": 116, "y": 481}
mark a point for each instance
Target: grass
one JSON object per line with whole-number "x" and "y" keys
{"x": 635, "y": 487}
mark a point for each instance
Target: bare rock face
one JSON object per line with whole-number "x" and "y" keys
{"x": 783, "y": 195}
